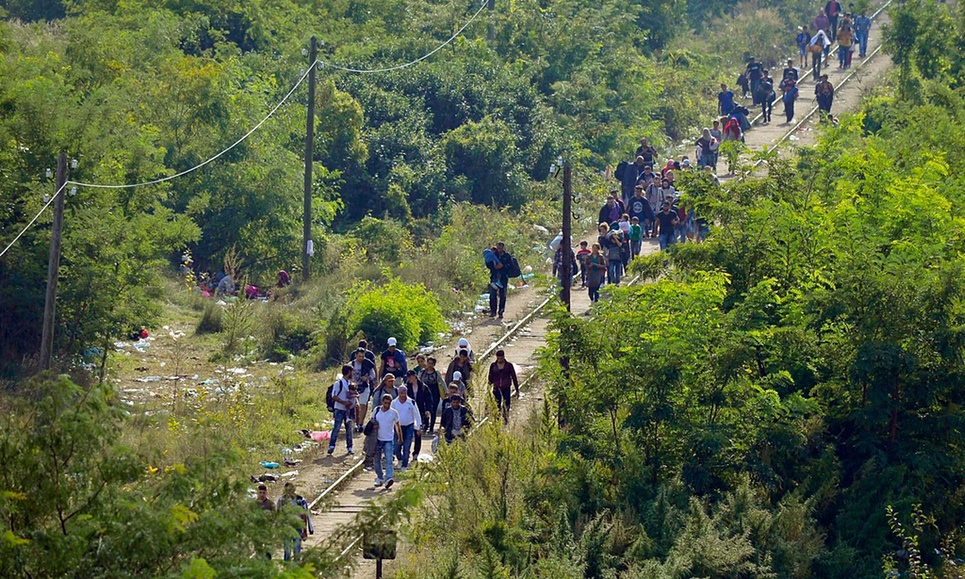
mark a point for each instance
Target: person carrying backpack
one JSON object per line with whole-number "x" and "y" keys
{"x": 790, "y": 91}
{"x": 502, "y": 266}
{"x": 767, "y": 97}
{"x": 341, "y": 403}
{"x": 802, "y": 41}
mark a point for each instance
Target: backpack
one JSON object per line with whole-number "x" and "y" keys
{"x": 621, "y": 170}
{"x": 330, "y": 395}
{"x": 513, "y": 268}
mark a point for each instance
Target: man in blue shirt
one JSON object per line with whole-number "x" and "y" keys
{"x": 725, "y": 100}
{"x": 862, "y": 25}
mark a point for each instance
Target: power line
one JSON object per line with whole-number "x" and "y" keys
{"x": 207, "y": 161}
{"x": 410, "y": 63}
{"x": 39, "y": 213}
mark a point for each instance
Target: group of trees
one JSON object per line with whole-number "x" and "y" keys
{"x": 137, "y": 91}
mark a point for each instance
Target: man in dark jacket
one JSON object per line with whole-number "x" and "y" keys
{"x": 393, "y": 361}
{"x": 419, "y": 392}
{"x": 456, "y": 419}
{"x": 833, "y": 10}
{"x": 498, "y": 280}
{"x": 630, "y": 176}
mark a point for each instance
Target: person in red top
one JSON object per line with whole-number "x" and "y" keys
{"x": 502, "y": 376}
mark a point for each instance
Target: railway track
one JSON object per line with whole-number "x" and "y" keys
{"x": 349, "y": 495}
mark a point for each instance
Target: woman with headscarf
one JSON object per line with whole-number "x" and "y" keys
{"x": 819, "y": 44}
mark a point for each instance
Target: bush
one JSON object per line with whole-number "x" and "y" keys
{"x": 212, "y": 320}
{"x": 409, "y": 313}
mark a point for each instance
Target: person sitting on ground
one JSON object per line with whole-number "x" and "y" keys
{"x": 456, "y": 420}
{"x": 284, "y": 280}
{"x": 393, "y": 360}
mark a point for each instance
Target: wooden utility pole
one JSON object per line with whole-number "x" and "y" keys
{"x": 567, "y": 245}
{"x": 53, "y": 266}
{"x": 309, "y": 154}
{"x": 491, "y": 30}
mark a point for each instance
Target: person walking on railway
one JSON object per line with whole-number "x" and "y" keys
{"x": 581, "y": 257}
{"x": 501, "y": 269}
{"x": 435, "y": 384}
{"x": 410, "y": 422}
{"x": 363, "y": 374}
{"x": 463, "y": 344}
{"x": 666, "y": 226}
{"x": 862, "y": 27}
{"x": 753, "y": 71}
{"x": 631, "y": 174}
{"x": 462, "y": 366}
{"x": 596, "y": 272}
{"x": 502, "y": 377}
{"x": 824, "y": 93}
{"x": 387, "y": 426}
{"x": 386, "y": 387}
{"x": 646, "y": 151}
{"x": 725, "y": 100}
{"x": 802, "y": 40}
{"x": 845, "y": 40}
{"x": 822, "y": 22}
{"x": 833, "y": 10}
{"x": 767, "y": 97}
{"x": 703, "y": 152}
{"x": 558, "y": 266}
{"x": 638, "y": 208}
{"x": 296, "y": 502}
{"x": 393, "y": 360}
{"x": 791, "y": 71}
{"x": 343, "y": 405}
{"x": 456, "y": 420}
{"x": 419, "y": 393}
{"x": 790, "y": 93}
{"x": 819, "y": 45}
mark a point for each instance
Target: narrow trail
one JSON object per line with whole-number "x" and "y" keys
{"x": 522, "y": 340}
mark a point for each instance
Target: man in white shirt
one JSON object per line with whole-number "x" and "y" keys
{"x": 387, "y": 419}
{"x": 409, "y": 423}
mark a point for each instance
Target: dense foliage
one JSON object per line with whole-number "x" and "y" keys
{"x": 784, "y": 400}
{"x": 136, "y": 91}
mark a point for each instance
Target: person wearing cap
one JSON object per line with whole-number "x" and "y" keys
{"x": 387, "y": 421}
{"x": 420, "y": 394}
{"x": 464, "y": 345}
{"x": 456, "y": 419}
{"x": 502, "y": 377}
{"x": 410, "y": 422}
{"x": 462, "y": 366}
{"x": 393, "y": 360}
{"x": 802, "y": 40}
{"x": 343, "y": 413}
{"x": 386, "y": 387}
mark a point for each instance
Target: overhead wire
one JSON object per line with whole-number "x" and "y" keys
{"x": 211, "y": 159}
{"x": 32, "y": 221}
{"x": 410, "y": 63}
{"x": 244, "y": 137}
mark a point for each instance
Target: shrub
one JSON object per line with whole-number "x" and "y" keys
{"x": 212, "y": 320}
{"x": 409, "y": 313}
